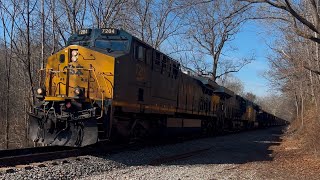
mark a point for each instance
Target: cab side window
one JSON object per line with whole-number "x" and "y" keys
{"x": 164, "y": 64}
{"x": 148, "y": 56}
{"x": 175, "y": 70}
{"x": 140, "y": 52}
{"x": 157, "y": 60}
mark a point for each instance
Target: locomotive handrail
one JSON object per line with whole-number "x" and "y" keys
{"x": 95, "y": 77}
{"x": 110, "y": 91}
{"x": 102, "y": 97}
{"x": 105, "y": 81}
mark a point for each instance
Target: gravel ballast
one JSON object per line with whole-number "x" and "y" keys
{"x": 223, "y": 160}
{"x": 69, "y": 169}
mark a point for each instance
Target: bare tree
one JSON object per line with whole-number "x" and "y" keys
{"x": 288, "y": 73}
{"x": 8, "y": 68}
{"x": 250, "y": 96}
{"x": 297, "y": 10}
{"x": 42, "y": 33}
{"x": 233, "y": 83}
{"x": 107, "y": 13}
{"x": 8, "y": 18}
{"x": 280, "y": 105}
{"x": 213, "y": 25}
{"x": 20, "y": 20}
{"x": 53, "y": 25}
{"x": 154, "y": 22}
{"x": 75, "y": 12}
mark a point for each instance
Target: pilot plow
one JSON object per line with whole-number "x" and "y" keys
{"x": 74, "y": 129}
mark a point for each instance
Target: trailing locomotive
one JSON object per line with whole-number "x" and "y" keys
{"x": 107, "y": 84}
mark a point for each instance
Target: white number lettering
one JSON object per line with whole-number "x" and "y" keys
{"x": 108, "y": 31}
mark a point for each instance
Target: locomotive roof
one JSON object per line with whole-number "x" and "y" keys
{"x": 112, "y": 33}
{"x": 207, "y": 81}
{"x": 225, "y": 91}
{"x": 88, "y": 37}
{"x": 92, "y": 34}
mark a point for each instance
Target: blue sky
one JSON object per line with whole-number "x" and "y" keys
{"x": 252, "y": 39}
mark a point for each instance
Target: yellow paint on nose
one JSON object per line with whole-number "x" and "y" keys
{"x": 93, "y": 71}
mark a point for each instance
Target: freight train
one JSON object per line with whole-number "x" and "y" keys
{"x": 107, "y": 85}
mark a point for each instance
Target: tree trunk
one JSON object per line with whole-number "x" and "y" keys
{"x": 53, "y": 26}
{"x": 42, "y": 34}
{"x": 7, "y": 100}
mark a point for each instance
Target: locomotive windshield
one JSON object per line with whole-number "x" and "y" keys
{"x": 79, "y": 40}
{"x": 112, "y": 45}
{"x": 81, "y": 43}
{"x": 106, "y": 39}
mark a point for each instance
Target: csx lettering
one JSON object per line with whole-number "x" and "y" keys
{"x": 74, "y": 70}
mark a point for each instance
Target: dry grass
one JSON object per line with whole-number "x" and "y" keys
{"x": 298, "y": 155}
{"x": 306, "y": 132}
{"x": 288, "y": 163}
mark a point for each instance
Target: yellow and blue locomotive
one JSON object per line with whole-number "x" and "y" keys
{"x": 107, "y": 84}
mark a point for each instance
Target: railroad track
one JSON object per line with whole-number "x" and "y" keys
{"x": 32, "y": 155}
{"x": 18, "y": 157}
{"x": 11, "y": 158}
{"x": 24, "y": 151}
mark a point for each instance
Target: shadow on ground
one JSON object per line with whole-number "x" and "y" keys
{"x": 237, "y": 148}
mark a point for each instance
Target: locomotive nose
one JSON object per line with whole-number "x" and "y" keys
{"x": 67, "y": 115}
{"x": 76, "y": 73}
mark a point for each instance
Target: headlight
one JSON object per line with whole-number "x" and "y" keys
{"x": 77, "y": 91}
{"x": 74, "y": 59}
{"x": 74, "y": 52}
{"x": 74, "y": 55}
{"x": 40, "y": 91}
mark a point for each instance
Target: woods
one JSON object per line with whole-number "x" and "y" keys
{"x": 295, "y": 61}
{"x": 197, "y": 33}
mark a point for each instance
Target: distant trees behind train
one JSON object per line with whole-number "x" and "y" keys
{"x": 31, "y": 30}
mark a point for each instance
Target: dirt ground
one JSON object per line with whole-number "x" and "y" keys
{"x": 289, "y": 161}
